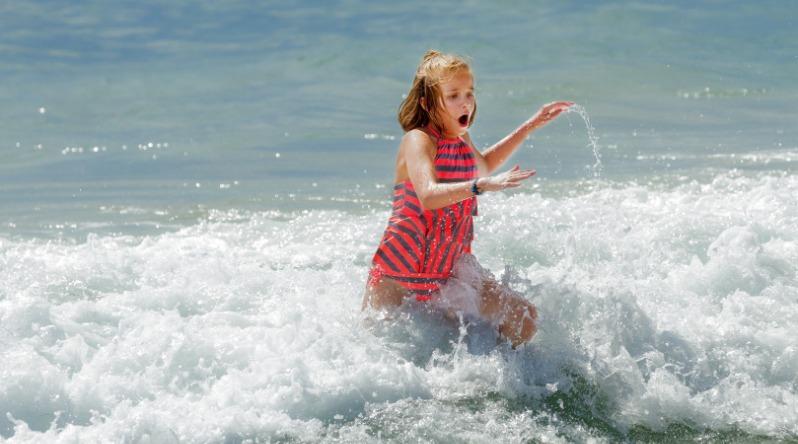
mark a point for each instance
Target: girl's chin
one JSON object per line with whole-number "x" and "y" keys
{"x": 456, "y": 131}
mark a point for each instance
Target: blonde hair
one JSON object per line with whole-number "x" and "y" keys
{"x": 434, "y": 69}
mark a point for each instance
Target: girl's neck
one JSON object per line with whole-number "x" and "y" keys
{"x": 441, "y": 134}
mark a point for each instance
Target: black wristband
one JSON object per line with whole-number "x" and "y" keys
{"x": 475, "y": 188}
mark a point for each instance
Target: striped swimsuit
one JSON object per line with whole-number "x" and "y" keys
{"x": 420, "y": 246}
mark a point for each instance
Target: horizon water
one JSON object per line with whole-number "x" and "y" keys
{"x": 190, "y": 196}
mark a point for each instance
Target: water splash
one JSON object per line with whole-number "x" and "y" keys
{"x": 591, "y": 136}
{"x": 654, "y": 300}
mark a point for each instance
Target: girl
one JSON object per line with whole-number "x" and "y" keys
{"x": 439, "y": 173}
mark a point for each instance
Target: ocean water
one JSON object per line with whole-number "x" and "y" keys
{"x": 191, "y": 193}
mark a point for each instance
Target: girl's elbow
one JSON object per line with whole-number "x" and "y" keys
{"x": 427, "y": 203}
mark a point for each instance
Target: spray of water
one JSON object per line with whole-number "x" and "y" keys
{"x": 591, "y": 136}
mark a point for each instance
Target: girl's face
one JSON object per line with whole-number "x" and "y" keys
{"x": 458, "y": 103}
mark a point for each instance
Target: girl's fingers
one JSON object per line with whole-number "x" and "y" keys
{"x": 522, "y": 175}
{"x": 512, "y": 178}
{"x": 518, "y": 179}
{"x": 557, "y": 107}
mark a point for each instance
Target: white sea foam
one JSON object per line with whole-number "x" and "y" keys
{"x": 763, "y": 157}
{"x": 675, "y": 304}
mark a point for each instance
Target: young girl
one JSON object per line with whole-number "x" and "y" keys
{"x": 439, "y": 173}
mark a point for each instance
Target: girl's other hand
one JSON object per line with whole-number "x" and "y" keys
{"x": 509, "y": 179}
{"x": 547, "y": 113}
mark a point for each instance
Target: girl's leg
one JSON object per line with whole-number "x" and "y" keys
{"x": 514, "y": 315}
{"x": 383, "y": 292}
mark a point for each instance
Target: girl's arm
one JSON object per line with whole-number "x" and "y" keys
{"x": 418, "y": 152}
{"x": 496, "y": 155}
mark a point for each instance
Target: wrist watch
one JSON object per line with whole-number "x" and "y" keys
{"x": 474, "y": 188}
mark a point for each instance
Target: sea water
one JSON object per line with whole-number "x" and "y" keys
{"x": 191, "y": 194}
{"x": 591, "y": 136}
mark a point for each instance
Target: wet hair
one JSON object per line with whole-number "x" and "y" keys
{"x": 434, "y": 69}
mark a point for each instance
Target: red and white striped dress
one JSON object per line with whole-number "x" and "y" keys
{"x": 420, "y": 246}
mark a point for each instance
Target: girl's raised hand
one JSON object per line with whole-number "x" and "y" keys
{"x": 509, "y": 179}
{"x": 547, "y": 113}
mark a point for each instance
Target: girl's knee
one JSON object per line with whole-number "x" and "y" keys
{"x": 530, "y": 310}
{"x": 519, "y": 324}
{"x": 528, "y": 329}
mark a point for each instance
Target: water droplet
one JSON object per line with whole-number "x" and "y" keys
{"x": 591, "y": 136}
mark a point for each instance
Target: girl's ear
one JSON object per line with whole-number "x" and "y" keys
{"x": 423, "y": 102}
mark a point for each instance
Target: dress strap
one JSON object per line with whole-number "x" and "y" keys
{"x": 432, "y": 133}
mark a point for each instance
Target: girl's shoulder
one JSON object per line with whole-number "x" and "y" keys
{"x": 419, "y": 136}
{"x": 418, "y": 140}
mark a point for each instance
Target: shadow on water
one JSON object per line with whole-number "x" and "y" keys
{"x": 551, "y": 385}
{"x": 417, "y": 334}
{"x": 584, "y": 404}
{"x": 551, "y": 391}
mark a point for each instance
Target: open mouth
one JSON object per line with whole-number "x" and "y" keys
{"x": 463, "y": 120}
